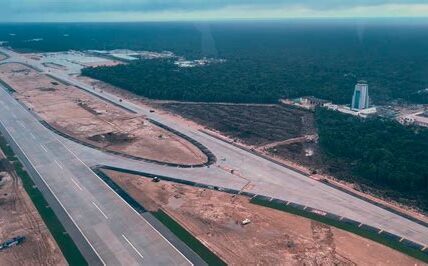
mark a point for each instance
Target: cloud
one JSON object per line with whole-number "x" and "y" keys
{"x": 137, "y": 10}
{"x": 66, "y": 6}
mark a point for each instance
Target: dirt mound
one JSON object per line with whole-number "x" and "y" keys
{"x": 46, "y": 89}
{"x": 112, "y": 138}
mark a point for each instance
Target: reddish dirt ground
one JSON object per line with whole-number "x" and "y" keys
{"x": 19, "y": 217}
{"x": 293, "y": 155}
{"x": 94, "y": 121}
{"x": 273, "y": 237}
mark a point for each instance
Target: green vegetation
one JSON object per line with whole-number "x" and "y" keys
{"x": 64, "y": 241}
{"x": 265, "y": 60}
{"x": 9, "y": 88}
{"x": 161, "y": 79}
{"x": 380, "y": 238}
{"x": 379, "y": 153}
{"x": 208, "y": 256}
{"x": 254, "y": 79}
{"x": 252, "y": 124}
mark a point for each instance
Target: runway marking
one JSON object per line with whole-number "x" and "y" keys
{"x": 43, "y": 147}
{"x": 96, "y": 206}
{"x": 77, "y": 185}
{"x": 32, "y": 136}
{"x": 59, "y": 165}
{"x": 126, "y": 203}
{"x": 50, "y": 189}
{"x": 21, "y": 124}
{"x": 135, "y": 249}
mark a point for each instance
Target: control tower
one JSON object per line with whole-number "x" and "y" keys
{"x": 360, "y": 99}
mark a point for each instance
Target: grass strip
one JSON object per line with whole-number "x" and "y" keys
{"x": 379, "y": 238}
{"x": 191, "y": 241}
{"x": 9, "y": 88}
{"x": 64, "y": 241}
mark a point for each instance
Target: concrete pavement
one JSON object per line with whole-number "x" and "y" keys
{"x": 115, "y": 232}
{"x": 265, "y": 178}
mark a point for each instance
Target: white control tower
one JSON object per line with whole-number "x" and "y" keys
{"x": 360, "y": 99}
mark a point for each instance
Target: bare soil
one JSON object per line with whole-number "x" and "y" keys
{"x": 19, "y": 217}
{"x": 305, "y": 156}
{"x": 104, "y": 63}
{"x": 94, "y": 121}
{"x": 273, "y": 237}
{"x": 257, "y": 127}
{"x": 294, "y": 155}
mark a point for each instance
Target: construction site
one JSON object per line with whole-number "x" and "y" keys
{"x": 242, "y": 233}
{"x": 24, "y": 237}
{"x": 233, "y": 228}
{"x": 90, "y": 120}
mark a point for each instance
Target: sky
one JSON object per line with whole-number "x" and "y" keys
{"x": 167, "y": 10}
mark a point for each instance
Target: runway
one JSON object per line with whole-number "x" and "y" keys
{"x": 105, "y": 228}
{"x": 256, "y": 174}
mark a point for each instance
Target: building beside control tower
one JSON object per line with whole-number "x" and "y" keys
{"x": 360, "y": 99}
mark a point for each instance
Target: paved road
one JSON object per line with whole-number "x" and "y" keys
{"x": 115, "y": 233}
{"x": 264, "y": 177}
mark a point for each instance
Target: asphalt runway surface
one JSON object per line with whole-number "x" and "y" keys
{"x": 109, "y": 231}
{"x": 252, "y": 173}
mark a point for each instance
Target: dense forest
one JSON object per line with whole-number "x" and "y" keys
{"x": 265, "y": 60}
{"x": 382, "y": 154}
{"x": 161, "y": 79}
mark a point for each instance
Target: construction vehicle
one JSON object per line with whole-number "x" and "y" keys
{"x": 12, "y": 242}
{"x": 156, "y": 179}
{"x": 246, "y": 221}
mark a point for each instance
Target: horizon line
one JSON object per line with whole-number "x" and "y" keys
{"x": 224, "y": 19}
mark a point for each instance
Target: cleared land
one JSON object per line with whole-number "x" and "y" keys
{"x": 253, "y": 124}
{"x": 2, "y": 57}
{"x": 273, "y": 237}
{"x": 258, "y": 126}
{"x": 19, "y": 217}
{"x": 94, "y": 121}
{"x": 258, "y": 120}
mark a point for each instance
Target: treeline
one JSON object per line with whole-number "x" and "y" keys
{"x": 265, "y": 60}
{"x": 382, "y": 154}
{"x": 259, "y": 81}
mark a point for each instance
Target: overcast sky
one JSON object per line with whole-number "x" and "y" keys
{"x": 147, "y": 10}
